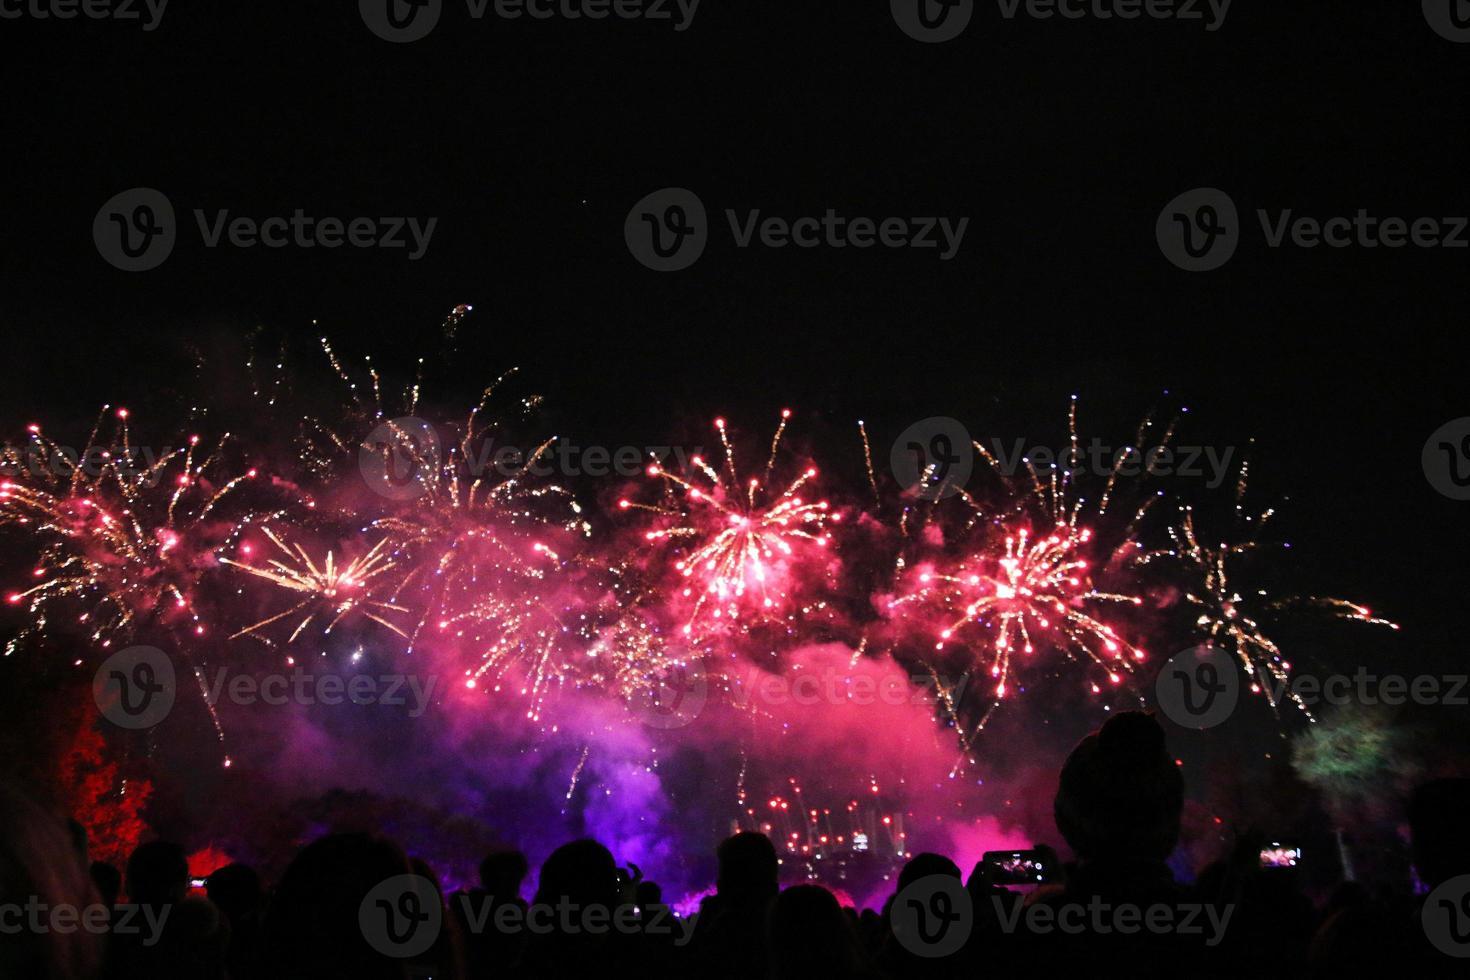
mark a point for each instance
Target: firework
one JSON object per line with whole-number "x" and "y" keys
{"x": 470, "y": 537}
{"x": 1028, "y": 584}
{"x": 1231, "y": 619}
{"x": 1036, "y": 592}
{"x": 121, "y": 535}
{"x": 328, "y": 590}
{"x": 740, "y": 543}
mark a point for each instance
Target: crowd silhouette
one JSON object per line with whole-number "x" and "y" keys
{"x": 355, "y": 905}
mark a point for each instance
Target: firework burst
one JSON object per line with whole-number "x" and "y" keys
{"x": 741, "y": 544}
{"x": 329, "y": 591}
{"x": 122, "y": 536}
{"x": 1232, "y": 619}
{"x": 1036, "y": 592}
{"x": 1028, "y": 584}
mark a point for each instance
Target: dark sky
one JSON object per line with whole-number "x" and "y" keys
{"x": 529, "y": 141}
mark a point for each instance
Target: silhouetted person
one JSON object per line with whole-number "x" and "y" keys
{"x": 39, "y": 862}
{"x": 164, "y": 932}
{"x": 312, "y": 925}
{"x": 490, "y": 949}
{"x": 236, "y": 891}
{"x": 730, "y": 937}
{"x": 896, "y": 959}
{"x": 1119, "y": 802}
{"x": 573, "y": 934}
{"x": 811, "y": 937}
{"x": 502, "y": 873}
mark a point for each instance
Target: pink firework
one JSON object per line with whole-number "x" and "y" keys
{"x": 1038, "y": 592}
{"x": 743, "y": 544}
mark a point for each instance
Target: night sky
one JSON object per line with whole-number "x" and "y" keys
{"x": 529, "y": 141}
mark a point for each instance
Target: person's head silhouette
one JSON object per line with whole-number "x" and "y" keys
{"x": 747, "y": 867}
{"x": 1121, "y": 795}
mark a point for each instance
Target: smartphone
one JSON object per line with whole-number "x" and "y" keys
{"x": 1017, "y": 867}
{"x": 1279, "y": 855}
{"x": 197, "y": 882}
